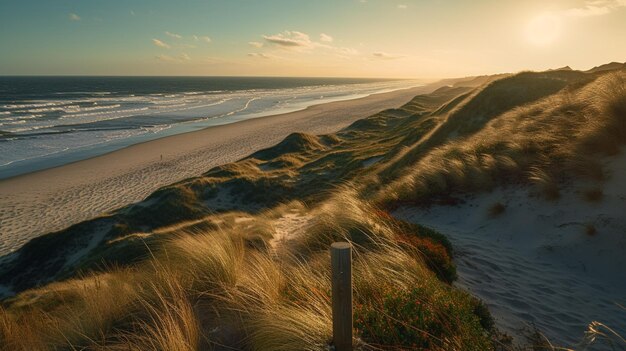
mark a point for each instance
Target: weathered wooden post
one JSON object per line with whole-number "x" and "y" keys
{"x": 341, "y": 263}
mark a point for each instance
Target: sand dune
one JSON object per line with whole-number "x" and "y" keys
{"x": 49, "y": 200}
{"x": 534, "y": 264}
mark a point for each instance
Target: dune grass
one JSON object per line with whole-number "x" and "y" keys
{"x": 542, "y": 144}
{"x": 215, "y": 288}
{"x": 196, "y": 266}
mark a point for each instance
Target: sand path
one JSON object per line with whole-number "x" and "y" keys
{"x": 289, "y": 227}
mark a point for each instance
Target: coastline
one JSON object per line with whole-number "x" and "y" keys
{"x": 56, "y": 152}
{"x": 36, "y": 203}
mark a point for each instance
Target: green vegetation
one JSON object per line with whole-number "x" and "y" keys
{"x": 238, "y": 257}
{"x": 409, "y": 319}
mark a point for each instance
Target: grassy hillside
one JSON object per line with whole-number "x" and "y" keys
{"x": 542, "y": 142}
{"x": 238, "y": 257}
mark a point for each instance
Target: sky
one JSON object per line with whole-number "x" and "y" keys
{"x": 323, "y": 38}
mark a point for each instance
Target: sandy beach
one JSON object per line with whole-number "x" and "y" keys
{"x": 49, "y": 200}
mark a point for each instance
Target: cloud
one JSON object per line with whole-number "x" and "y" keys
{"x": 160, "y": 44}
{"x": 256, "y": 44}
{"x": 301, "y": 42}
{"x": 346, "y": 51}
{"x": 201, "y": 38}
{"x": 259, "y": 55}
{"x": 173, "y": 35}
{"x": 213, "y": 60}
{"x": 402, "y": 6}
{"x": 595, "y": 8}
{"x": 326, "y": 38}
{"x": 291, "y": 39}
{"x": 73, "y": 17}
{"x": 385, "y": 56}
{"x": 167, "y": 58}
{"x": 132, "y": 13}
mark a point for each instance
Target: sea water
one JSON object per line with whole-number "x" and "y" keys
{"x": 50, "y": 121}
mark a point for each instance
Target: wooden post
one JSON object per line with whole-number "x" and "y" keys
{"x": 341, "y": 263}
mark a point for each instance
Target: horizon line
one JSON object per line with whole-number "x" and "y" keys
{"x": 209, "y": 76}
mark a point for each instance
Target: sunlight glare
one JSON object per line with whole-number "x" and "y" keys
{"x": 543, "y": 29}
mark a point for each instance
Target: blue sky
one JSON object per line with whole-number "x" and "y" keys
{"x": 366, "y": 38}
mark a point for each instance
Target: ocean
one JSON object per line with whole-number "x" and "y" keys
{"x": 51, "y": 121}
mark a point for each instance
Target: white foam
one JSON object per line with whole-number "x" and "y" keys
{"x": 183, "y": 110}
{"x": 99, "y": 107}
{"x": 21, "y": 106}
{"x": 65, "y": 108}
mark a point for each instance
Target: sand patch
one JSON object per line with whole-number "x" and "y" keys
{"x": 289, "y": 227}
{"x": 535, "y": 263}
{"x": 371, "y": 161}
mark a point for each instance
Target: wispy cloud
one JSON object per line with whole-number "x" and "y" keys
{"x": 212, "y": 60}
{"x": 160, "y": 44}
{"x": 255, "y": 44}
{"x": 386, "y": 56}
{"x": 326, "y": 38}
{"x": 301, "y": 42}
{"x": 259, "y": 55}
{"x": 289, "y": 39}
{"x": 73, "y": 17}
{"x": 173, "y": 35}
{"x": 167, "y": 58}
{"x": 402, "y": 6}
{"x": 595, "y": 8}
{"x": 203, "y": 38}
{"x": 346, "y": 51}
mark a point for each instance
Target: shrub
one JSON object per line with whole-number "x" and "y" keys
{"x": 434, "y": 254}
{"x": 432, "y": 247}
{"x": 419, "y": 320}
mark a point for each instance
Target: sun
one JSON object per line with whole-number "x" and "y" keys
{"x": 543, "y": 29}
